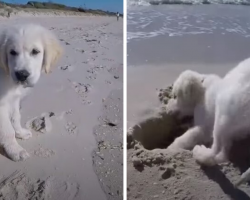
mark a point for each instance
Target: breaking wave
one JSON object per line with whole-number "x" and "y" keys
{"x": 186, "y": 2}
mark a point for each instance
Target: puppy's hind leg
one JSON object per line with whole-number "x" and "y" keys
{"x": 20, "y": 132}
{"x": 7, "y": 137}
{"x": 189, "y": 139}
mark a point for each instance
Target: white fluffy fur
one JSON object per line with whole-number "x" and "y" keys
{"x": 22, "y": 39}
{"x": 223, "y": 115}
{"x": 191, "y": 89}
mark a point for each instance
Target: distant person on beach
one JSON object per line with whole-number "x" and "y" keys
{"x": 117, "y": 15}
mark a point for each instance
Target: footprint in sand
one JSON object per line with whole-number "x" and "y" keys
{"x": 108, "y": 82}
{"x": 93, "y": 71}
{"x": 44, "y": 153}
{"x": 71, "y": 128}
{"x": 82, "y": 90}
{"x": 41, "y": 123}
{"x": 19, "y": 186}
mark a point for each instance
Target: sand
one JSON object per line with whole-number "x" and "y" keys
{"x": 67, "y": 111}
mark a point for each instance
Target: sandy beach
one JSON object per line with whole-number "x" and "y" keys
{"x": 159, "y": 49}
{"x": 80, "y": 155}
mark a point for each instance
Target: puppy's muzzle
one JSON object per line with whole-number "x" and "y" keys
{"x": 22, "y": 75}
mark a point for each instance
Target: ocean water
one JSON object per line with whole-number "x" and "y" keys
{"x": 147, "y": 21}
{"x": 189, "y": 2}
{"x": 215, "y": 34}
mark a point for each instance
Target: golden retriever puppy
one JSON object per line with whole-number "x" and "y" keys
{"x": 25, "y": 51}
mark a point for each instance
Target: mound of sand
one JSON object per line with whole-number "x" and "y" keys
{"x": 155, "y": 172}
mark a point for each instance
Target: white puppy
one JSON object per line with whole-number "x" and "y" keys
{"x": 191, "y": 89}
{"x": 230, "y": 117}
{"x": 25, "y": 50}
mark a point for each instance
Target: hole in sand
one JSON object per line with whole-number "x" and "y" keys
{"x": 160, "y": 128}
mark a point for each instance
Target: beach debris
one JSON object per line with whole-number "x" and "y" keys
{"x": 67, "y": 67}
{"x": 92, "y": 40}
{"x": 109, "y": 123}
{"x": 64, "y": 67}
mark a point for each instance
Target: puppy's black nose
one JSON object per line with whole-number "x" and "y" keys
{"x": 22, "y": 75}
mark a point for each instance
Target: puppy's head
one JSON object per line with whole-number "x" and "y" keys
{"x": 188, "y": 90}
{"x": 27, "y": 50}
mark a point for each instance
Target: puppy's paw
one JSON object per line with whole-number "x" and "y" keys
{"x": 23, "y": 134}
{"x": 203, "y": 155}
{"x": 15, "y": 152}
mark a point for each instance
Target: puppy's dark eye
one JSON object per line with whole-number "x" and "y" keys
{"x": 35, "y": 52}
{"x": 13, "y": 53}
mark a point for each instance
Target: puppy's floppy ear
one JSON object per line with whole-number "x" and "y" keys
{"x": 52, "y": 51}
{"x": 3, "y": 50}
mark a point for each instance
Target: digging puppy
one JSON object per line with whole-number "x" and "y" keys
{"x": 191, "y": 89}
{"x": 25, "y": 51}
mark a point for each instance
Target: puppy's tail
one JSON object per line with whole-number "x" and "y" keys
{"x": 245, "y": 177}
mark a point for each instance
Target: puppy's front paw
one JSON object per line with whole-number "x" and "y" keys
{"x": 203, "y": 155}
{"x": 23, "y": 134}
{"x": 15, "y": 152}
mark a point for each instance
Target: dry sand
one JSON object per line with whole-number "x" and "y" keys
{"x": 157, "y": 173}
{"x": 77, "y": 111}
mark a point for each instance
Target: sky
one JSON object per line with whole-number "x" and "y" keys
{"x": 110, "y": 5}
